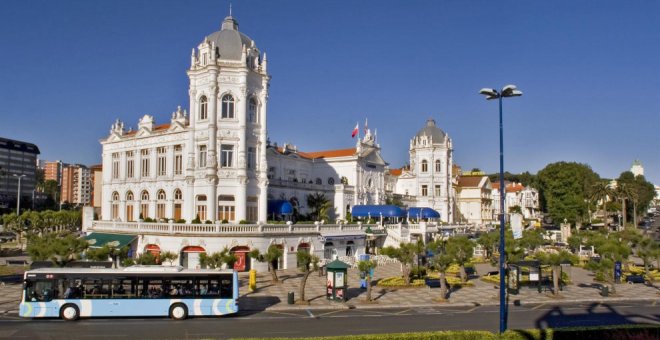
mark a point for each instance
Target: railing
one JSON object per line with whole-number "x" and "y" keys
{"x": 215, "y": 229}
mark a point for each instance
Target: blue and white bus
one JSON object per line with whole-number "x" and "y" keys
{"x": 136, "y": 291}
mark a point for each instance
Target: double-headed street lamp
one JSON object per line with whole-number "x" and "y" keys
{"x": 18, "y": 200}
{"x": 507, "y": 91}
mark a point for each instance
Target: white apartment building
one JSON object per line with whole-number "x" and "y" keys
{"x": 474, "y": 199}
{"x": 526, "y": 198}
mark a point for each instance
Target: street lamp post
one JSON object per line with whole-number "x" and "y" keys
{"x": 18, "y": 200}
{"x": 507, "y": 91}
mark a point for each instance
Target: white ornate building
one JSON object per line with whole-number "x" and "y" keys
{"x": 210, "y": 164}
{"x": 428, "y": 180}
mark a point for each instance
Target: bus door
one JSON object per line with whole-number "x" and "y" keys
{"x": 39, "y": 295}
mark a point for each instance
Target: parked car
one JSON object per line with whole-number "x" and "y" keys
{"x": 635, "y": 279}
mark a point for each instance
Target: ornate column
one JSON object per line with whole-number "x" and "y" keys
{"x": 211, "y": 156}
{"x": 188, "y": 212}
{"x": 242, "y": 178}
{"x": 263, "y": 163}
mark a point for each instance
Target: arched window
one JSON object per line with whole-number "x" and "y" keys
{"x": 438, "y": 165}
{"x": 319, "y": 181}
{"x": 227, "y": 106}
{"x": 160, "y": 205}
{"x": 144, "y": 204}
{"x": 201, "y": 207}
{"x": 425, "y": 165}
{"x": 178, "y": 198}
{"x": 252, "y": 111}
{"x": 129, "y": 206}
{"x": 203, "y": 108}
{"x": 331, "y": 181}
{"x": 115, "y": 205}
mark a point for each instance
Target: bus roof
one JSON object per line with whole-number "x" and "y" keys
{"x": 132, "y": 270}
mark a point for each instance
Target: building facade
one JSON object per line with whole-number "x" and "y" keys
{"x": 76, "y": 185}
{"x": 208, "y": 165}
{"x": 474, "y": 196}
{"x": 18, "y": 162}
{"x": 428, "y": 179}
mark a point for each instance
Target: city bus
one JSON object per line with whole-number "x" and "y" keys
{"x": 136, "y": 291}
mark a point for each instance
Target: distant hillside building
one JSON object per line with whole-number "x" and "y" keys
{"x": 17, "y": 159}
{"x": 76, "y": 185}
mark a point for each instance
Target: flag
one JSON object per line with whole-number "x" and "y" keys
{"x": 366, "y": 126}
{"x": 355, "y": 130}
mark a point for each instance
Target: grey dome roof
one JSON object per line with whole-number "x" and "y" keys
{"x": 229, "y": 40}
{"x": 430, "y": 129}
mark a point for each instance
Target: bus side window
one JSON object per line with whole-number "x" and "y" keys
{"x": 225, "y": 289}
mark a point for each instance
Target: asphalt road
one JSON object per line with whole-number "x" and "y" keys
{"x": 302, "y": 323}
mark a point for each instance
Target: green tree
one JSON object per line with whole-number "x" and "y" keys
{"x": 461, "y": 249}
{"x": 516, "y": 209}
{"x": 168, "y": 256}
{"x": 441, "y": 261}
{"x": 405, "y": 254}
{"x": 531, "y": 239}
{"x": 365, "y": 266}
{"x": 647, "y": 249}
{"x": 611, "y": 249}
{"x": 641, "y": 193}
{"x": 307, "y": 263}
{"x": 555, "y": 260}
{"x": 564, "y": 190}
{"x": 60, "y": 248}
{"x": 218, "y": 259}
{"x": 489, "y": 242}
{"x": 273, "y": 254}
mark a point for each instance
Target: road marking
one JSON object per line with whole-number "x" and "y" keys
{"x": 333, "y": 312}
{"x": 539, "y": 306}
{"x": 403, "y": 311}
{"x": 472, "y": 309}
{"x": 310, "y": 313}
{"x": 284, "y": 313}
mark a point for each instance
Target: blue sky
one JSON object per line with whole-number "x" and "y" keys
{"x": 589, "y": 70}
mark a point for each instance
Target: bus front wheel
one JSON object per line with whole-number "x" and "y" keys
{"x": 69, "y": 312}
{"x": 178, "y": 312}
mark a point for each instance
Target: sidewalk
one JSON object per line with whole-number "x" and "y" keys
{"x": 274, "y": 296}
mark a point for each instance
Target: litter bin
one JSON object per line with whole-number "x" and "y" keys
{"x": 290, "y": 298}
{"x": 605, "y": 291}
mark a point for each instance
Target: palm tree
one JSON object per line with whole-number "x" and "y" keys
{"x": 601, "y": 191}
{"x": 307, "y": 263}
{"x": 624, "y": 193}
{"x": 319, "y": 205}
{"x": 365, "y": 266}
{"x": 647, "y": 250}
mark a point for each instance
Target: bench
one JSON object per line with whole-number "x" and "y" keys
{"x": 434, "y": 283}
{"x": 11, "y": 278}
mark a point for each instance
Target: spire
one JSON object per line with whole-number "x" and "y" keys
{"x": 230, "y": 9}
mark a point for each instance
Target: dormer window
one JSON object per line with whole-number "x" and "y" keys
{"x": 228, "y": 107}
{"x": 203, "y": 108}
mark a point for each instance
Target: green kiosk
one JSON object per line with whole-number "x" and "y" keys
{"x": 337, "y": 285}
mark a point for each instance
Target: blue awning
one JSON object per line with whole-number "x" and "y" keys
{"x": 280, "y": 207}
{"x": 376, "y": 211}
{"x": 422, "y": 213}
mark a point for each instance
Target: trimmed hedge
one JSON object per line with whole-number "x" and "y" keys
{"x": 600, "y": 333}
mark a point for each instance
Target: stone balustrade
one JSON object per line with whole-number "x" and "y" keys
{"x": 220, "y": 229}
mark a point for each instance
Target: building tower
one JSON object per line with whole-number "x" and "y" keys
{"x": 431, "y": 165}
{"x": 226, "y": 167}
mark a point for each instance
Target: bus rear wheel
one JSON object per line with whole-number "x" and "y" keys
{"x": 69, "y": 312}
{"x": 178, "y": 312}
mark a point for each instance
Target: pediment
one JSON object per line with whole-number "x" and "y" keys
{"x": 176, "y": 126}
{"x": 114, "y": 137}
{"x": 143, "y": 132}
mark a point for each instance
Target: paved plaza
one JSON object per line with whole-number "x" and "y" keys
{"x": 269, "y": 296}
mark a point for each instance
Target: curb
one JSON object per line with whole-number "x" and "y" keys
{"x": 344, "y": 305}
